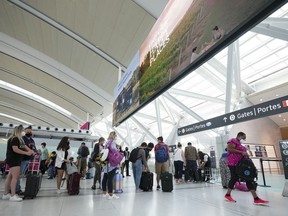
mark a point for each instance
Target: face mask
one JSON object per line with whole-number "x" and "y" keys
{"x": 242, "y": 141}
{"x": 28, "y": 134}
{"x": 22, "y": 133}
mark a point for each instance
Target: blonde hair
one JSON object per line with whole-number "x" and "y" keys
{"x": 17, "y": 132}
{"x": 111, "y": 135}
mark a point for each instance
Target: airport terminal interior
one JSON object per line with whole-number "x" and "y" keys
{"x": 64, "y": 70}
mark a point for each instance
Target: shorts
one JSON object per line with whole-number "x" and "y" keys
{"x": 83, "y": 164}
{"x": 161, "y": 167}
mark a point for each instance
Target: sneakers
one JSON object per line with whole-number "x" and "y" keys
{"x": 105, "y": 195}
{"x": 93, "y": 187}
{"x": 15, "y": 198}
{"x": 6, "y": 197}
{"x": 139, "y": 190}
{"x": 229, "y": 198}
{"x": 158, "y": 187}
{"x": 260, "y": 201}
{"x": 58, "y": 191}
{"x": 113, "y": 197}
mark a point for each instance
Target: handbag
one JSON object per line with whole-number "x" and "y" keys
{"x": 114, "y": 157}
{"x": 71, "y": 168}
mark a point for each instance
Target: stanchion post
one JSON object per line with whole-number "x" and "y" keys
{"x": 263, "y": 175}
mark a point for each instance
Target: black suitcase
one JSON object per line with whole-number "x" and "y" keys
{"x": 33, "y": 184}
{"x": 146, "y": 183}
{"x": 167, "y": 182}
{"x": 73, "y": 183}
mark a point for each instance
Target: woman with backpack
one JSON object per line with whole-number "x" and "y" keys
{"x": 109, "y": 169}
{"x": 236, "y": 151}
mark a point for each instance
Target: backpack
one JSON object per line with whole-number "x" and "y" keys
{"x": 133, "y": 155}
{"x": 161, "y": 154}
{"x": 95, "y": 152}
{"x": 246, "y": 169}
{"x": 84, "y": 152}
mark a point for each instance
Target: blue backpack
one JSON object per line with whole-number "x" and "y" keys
{"x": 161, "y": 154}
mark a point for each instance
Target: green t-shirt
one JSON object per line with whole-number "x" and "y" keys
{"x": 44, "y": 154}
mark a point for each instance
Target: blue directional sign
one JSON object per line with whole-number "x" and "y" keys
{"x": 273, "y": 107}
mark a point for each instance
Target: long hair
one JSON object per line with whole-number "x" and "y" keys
{"x": 63, "y": 144}
{"x": 17, "y": 132}
{"x": 111, "y": 135}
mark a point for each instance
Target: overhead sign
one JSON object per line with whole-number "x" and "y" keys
{"x": 268, "y": 108}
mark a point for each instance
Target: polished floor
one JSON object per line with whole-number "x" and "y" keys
{"x": 186, "y": 199}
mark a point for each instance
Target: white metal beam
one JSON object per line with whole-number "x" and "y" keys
{"x": 236, "y": 68}
{"x": 195, "y": 95}
{"x": 271, "y": 31}
{"x": 158, "y": 116}
{"x": 182, "y": 106}
{"x": 148, "y": 133}
{"x": 229, "y": 79}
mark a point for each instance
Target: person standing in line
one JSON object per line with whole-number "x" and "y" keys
{"x": 126, "y": 163}
{"x": 137, "y": 165}
{"x": 62, "y": 158}
{"x": 109, "y": 170}
{"x": 235, "y": 152}
{"x": 191, "y": 157}
{"x": 83, "y": 152}
{"x": 30, "y": 143}
{"x": 162, "y": 159}
{"x": 44, "y": 158}
{"x": 96, "y": 158}
{"x": 179, "y": 159}
{"x": 16, "y": 148}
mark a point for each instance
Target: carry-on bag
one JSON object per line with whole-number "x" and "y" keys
{"x": 33, "y": 184}
{"x": 167, "y": 182}
{"x": 146, "y": 183}
{"x": 73, "y": 183}
{"x": 118, "y": 183}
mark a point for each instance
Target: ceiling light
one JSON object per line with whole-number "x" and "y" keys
{"x": 261, "y": 99}
{"x": 17, "y": 119}
{"x": 33, "y": 96}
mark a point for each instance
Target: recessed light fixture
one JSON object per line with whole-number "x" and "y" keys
{"x": 284, "y": 119}
{"x": 276, "y": 95}
{"x": 261, "y": 99}
{"x": 279, "y": 116}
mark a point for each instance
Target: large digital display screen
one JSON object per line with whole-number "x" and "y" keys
{"x": 187, "y": 33}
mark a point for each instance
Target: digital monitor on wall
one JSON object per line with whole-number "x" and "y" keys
{"x": 187, "y": 34}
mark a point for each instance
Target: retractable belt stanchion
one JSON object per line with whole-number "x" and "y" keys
{"x": 262, "y": 170}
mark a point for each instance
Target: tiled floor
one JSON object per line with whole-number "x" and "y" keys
{"x": 186, "y": 199}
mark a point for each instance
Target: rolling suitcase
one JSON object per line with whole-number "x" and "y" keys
{"x": 146, "y": 183}
{"x": 167, "y": 182}
{"x": 118, "y": 183}
{"x": 33, "y": 184}
{"x": 73, "y": 183}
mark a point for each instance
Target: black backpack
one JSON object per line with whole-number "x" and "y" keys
{"x": 84, "y": 152}
{"x": 95, "y": 152}
{"x": 246, "y": 170}
{"x": 133, "y": 155}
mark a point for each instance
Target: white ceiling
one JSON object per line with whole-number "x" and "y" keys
{"x": 68, "y": 52}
